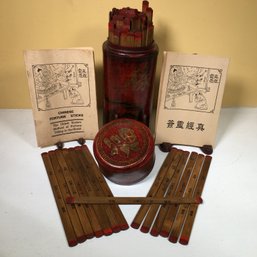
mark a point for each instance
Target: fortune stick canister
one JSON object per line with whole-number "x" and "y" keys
{"x": 129, "y": 61}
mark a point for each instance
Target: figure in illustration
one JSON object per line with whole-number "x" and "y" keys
{"x": 75, "y": 95}
{"x": 60, "y": 83}
{"x": 200, "y": 100}
{"x": 190, "y": 88}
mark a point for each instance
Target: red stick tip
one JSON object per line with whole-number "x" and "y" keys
{"x": 184, "y": 240}
{"x": 107, "y": 231}
{"x": 164, "y": 233}
{"x": 173, "y": 239}
{"x": 90, "y": 235}
{"x": 72, "y": 242}
{"x": 134, "y": 225}
{"x": 154, "y": 232}
{"x": 116, "y": 229}
{"x": 199, "y": 200}
{"x": 98, "y": 233}
{"x": 124, "y": 226}
{"x": 144, "y": 229}
{"x": 82, "y": 238}
{"x": 70, "y": 199}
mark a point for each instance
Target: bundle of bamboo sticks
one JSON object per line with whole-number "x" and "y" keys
{"x": 181, "y": 175}
{"x": 88, "y": 208}
{"x": 73, "y": 172}
{"x": 129, "y": 27}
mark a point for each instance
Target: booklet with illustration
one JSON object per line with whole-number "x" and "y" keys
{"x": 63, "y": 94}
{"x": 190, "y": 97}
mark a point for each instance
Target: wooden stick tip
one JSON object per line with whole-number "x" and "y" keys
{"x": 52, "y": 152}
{"x": 154, "y": 232}
{"x": 144, "y": 229}
{"x": 98, "y": 233}
{"x": 107, "y": 231}
{"x": 82, "y": 238}
{"x": 173, "y": 239}
{"x": 208, "y": 157}
{"x": 44, "y": 154}
{"x": 72, "y": 242}
{"x": 164, "y": 233}
{"x": 116, "y": 229}
{"x": 184, "y": 240}
{"x": 90, "y": 235}
{"x": 135, "y": 225}
{"x": 124, "y": 226}
{"x": 199, "y": 200}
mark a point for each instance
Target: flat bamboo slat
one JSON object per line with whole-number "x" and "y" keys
{"x": 154, "y": 188}
{"x": 187, "y": 229}
{"x": 131, "y": 200}
{"x": 161, "y": 192}
{"x": 62, "y": 207}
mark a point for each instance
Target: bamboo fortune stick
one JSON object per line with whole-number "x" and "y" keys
{"x": 171, "y": 191}
{"x": 80, "y": 233}
{"x": 66, "y": 221}
{"x": 182, "y": 209}
{"x": 183, "y": 186}
{"x": 74, "y": 167}
{"x": 161, "y": 192}
{"x": 154, "y": 188}
{"x": 131, "y": 200}
{"x": 186, "y": 232}
{"x": 120, "y": 219}
{"x": 93, "y": 190}
{"x": 83, "y": 217}
{"x": 129, "y": 27}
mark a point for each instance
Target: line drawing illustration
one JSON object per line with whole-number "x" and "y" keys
{"x": 59, "y": 85}
{"x": 192, "y": 88}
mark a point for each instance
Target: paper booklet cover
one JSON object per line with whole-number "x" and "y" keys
{"x": 63, "y": 94}
{"x": 190, "y": 96}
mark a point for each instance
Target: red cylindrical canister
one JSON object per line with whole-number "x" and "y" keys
{"x": 129, "y": 74}
{"x": 124, "y": 150}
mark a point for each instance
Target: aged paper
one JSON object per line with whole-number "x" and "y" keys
{"x": 190, "y": 96}
{"x": 63, "y": 94}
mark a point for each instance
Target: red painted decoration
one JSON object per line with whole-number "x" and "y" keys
{"x": 124, "y": 150}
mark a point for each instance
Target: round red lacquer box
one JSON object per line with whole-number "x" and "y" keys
{"x": 124, "y": 150}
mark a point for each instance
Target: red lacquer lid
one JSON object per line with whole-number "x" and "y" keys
{"x": 124, "y": 150}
